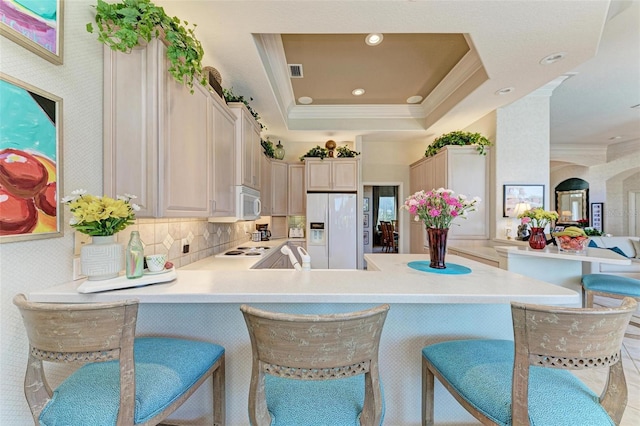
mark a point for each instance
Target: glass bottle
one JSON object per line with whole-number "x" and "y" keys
{"x": 135, "y": 256}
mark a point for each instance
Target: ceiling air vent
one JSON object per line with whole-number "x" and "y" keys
{"x": 295, "y": 70}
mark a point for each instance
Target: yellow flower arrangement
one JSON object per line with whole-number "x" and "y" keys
{"x": 538, "y": 217}
{"x": 100, "y": 216}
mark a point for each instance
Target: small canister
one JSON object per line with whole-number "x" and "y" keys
{"x": 256, "y": 236}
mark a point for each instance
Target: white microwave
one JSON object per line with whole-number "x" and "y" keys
{"x": 248, "y": 204}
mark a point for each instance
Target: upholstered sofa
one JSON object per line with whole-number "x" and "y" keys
{"x": 626, "y": 246}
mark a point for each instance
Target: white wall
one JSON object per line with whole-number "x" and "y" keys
{"x": 387, "y": 163}
{"x": 31, "y": 265}
{"x": 521, "y": 153}
{"x": 609, "y": 182}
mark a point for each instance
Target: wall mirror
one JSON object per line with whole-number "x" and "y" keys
{"x": 572, "y": 201}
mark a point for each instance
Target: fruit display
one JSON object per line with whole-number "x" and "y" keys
{"x": 572, "y": 239}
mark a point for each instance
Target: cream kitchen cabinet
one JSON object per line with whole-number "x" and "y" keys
{"x": 463, "y": 170}
{"x": 223, "y": 158}
{"x": 279, "y": 187}
{"x": 273, "y": 191}
{"x": 248, "y": 149}
{"x": 333, "y": 175}
{"x": 156, "y": 138}
{"x": 297, "y": 196}
{"x": 266, "y": 192}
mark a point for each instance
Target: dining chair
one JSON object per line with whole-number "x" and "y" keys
{"x": 524, "y": 381}
{"x": 387, "y": 230}
{"x": 123, "y": 380}
{"x": 613, "y": 287}
{"x": 315, "y": 369}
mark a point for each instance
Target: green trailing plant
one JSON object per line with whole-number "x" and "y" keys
{"x": 229, "y": 96}
{"x": 458, "y": 138}
{"x": 122, "y": 26}
{"x": 267, "y": 148}
{"x": 345, "y": 152}
{"x": 317, "y": 152}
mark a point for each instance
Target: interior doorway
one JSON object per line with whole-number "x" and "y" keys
{"x": 381, "y": 208}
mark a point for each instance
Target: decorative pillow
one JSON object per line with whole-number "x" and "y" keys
{"x": 636, "y": 247}
{"x": 617, "y": 250}
{"x": 592, "y": 244}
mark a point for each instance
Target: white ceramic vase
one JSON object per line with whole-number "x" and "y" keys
{"x": 102, "y": 259}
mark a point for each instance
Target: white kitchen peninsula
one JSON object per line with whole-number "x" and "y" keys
{"x": 425, "y": 308}
{"x": 554, "y": 266}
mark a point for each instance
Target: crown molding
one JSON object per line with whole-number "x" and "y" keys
{"x": 586, "y": 155}
{"x": 273, "y": 58}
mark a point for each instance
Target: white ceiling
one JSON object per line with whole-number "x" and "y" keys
{"x": 509, "y": 38}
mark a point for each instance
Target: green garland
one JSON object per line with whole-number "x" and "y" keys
{"x": 229, "y": 96}
{"x": 345, "y": 152}
{"x": 121, "y": 26}
{"x": 317, "y": 152}
{"x": 458, "y": 138}
{"x": 267, "y": 148}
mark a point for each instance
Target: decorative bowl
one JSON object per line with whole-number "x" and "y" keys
{"x": 572, "y": 244}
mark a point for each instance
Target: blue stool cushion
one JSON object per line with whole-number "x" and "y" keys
{"x": 615, "y": 284}
{"x": 165, "y": 369}
{"x": 336, "y": 402}
{"x": 481, "y": 371}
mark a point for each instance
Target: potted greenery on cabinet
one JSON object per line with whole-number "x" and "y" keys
{"x": 125, "y": 25}
{"x": 458, "y": 138}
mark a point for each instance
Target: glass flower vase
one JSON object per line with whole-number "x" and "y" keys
{"x": 537, "y": 239}
{"x": 437, "y": 247}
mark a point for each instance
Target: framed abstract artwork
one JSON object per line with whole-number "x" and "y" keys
{"x": 35, "y": 25}
{"x": 30, "y": 162}
{"x": 531, "y": 196}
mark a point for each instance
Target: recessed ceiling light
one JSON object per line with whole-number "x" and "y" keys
{"x": 373, "y": 39}
{"x": 357, "y": 92}
{"x": 505, "y": 90}
{"x": 554, "y": 57}
{"x": 613, "y": 138}
{"x": 414, "y": 99}
{"x": 305, "y": 100}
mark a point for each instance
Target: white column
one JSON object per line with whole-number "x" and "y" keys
{"x": 521, "y": 152}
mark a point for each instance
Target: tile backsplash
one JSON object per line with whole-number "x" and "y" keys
{"x": 165, "y": 236}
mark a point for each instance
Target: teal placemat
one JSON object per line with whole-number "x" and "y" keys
{"x": 451, "y": 269}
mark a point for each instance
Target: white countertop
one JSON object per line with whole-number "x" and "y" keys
{"x": 592, "y": 255}
{"x": 216, "y": 280}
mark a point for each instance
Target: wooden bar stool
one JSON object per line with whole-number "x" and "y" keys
{"x": 124, "y": 381}
{"x": 612, "y": 286}
{"x": 315, "y": 369}
{"x": 502, "y": 382}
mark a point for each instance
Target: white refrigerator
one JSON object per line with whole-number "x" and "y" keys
{"x": 331, "y": 230}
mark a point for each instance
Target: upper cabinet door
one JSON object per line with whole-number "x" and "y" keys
{"x": 184, "y": 155}
{"x": 248, "y": 150}
{"x": 156, "y": 135}
{"x": 344, "y": 175}
{"x": 279, "y": 187}
{"x": 318, "y": 175}
{"x": 296, "y": 204}
{"x": 337, "y": 175}
{"x": 223, "y": 159}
